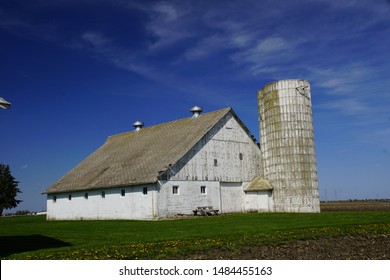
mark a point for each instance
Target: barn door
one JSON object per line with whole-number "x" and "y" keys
{"x": 232, "y": 197}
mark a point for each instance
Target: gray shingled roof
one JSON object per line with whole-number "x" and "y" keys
{"x": 134, "y": 158}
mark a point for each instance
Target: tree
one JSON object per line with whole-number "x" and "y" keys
{"x": 8, "y": 189}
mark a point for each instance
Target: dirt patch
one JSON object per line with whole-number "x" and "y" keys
{"x": 361, "y": 247}
{"x": 359, "y": 205}
{"x": 352, "y": 247}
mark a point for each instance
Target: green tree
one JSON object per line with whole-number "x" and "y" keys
{"x": 8, "y": 189}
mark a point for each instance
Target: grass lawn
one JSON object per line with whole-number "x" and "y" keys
{"x": 32, "y": 237}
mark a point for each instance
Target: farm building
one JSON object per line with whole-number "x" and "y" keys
{"x": 206, "y": 159}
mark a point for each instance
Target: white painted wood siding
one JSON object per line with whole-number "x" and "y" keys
{"x": 226, "y": 153}
{"x": 188, "y": 198}
{"x": 232, "y": 195}
{"x": 134, "y": 205}
{"x": 258, "y": 201}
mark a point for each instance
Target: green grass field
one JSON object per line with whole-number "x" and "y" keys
{"x": 32, "y": 237}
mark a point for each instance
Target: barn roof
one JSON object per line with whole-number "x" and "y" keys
{"x": 135, "y": 158}
{"x": 258, "y": 184}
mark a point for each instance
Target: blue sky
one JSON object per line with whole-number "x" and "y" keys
{"x": 79, "y": 71}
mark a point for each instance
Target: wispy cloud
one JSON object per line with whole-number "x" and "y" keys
{"x": 272, "y": 44}
{"x": 267, "y": 55}
{"x": 379, "y": 137}
{"x": 205, "y": 48}
{"x": 167, "y": 26}
{"x": 251, "y": 38}
{"x": 96, "y": 40}
{"x": 349, "y": 106}
{"x": 295, "y": 50}
{"x": 344, "y": 79}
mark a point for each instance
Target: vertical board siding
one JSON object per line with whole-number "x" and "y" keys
{"x": 224, "y": 143}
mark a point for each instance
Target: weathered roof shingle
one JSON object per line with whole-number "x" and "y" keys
{"x": 134, "y": 158}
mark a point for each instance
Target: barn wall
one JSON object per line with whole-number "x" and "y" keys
{"x": 224, "y": 161}
{"x": 232, "y": 197}
{"x": 134, "y": 205}
{"x": 188, "y": 198}
{"x": 258, "y": 201}
{"x": 227, "y": 197}
{"x": 225, "y": 154}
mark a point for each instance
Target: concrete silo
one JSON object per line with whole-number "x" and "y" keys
{"x": 287, "y": 145}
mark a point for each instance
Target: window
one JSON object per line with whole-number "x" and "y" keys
{"x": 86, "y": 195}
{"x": 123, "y": 192}
{"x": 54, "y": 198}
{"x": 103, "y": 194}
{"x": 215, "y": 162}
{"x": 241, "y": 156}
{"x": 175, "y": 189}
{"x": 145, "y": 191}
{"x": 70, "y": 197}
{"x": 203, "y": 189}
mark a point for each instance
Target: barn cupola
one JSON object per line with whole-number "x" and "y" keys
{"x": 196, "y": 111}
{"x": 138, "y": 125}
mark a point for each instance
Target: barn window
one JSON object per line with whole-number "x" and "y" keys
{"x": 215, "y": 162}
{"x": 103, "y": 194}
{"x": 86, "y": 195}
{"x": 54, "y": 198}
{"x": 175, "y": 189}
{"x": 241, "y": 156}
{"x": 145, "y": 191}
{"x": 123, "y": 192}
{"x": 203, "y": 189}
{"x": 70, "y": 197}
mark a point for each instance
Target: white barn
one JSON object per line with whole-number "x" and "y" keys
{"x": 204, "y": 160}
{"x": 166, "y": 170}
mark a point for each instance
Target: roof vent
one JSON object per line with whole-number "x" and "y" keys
{"x": 138, "y": 125}
{"x": 196, "y": 111}
{"x": 4, "y": 103}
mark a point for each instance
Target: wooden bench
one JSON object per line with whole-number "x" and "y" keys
{"x": 205, "y": 210}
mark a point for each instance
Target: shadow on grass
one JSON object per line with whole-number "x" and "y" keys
{"x": 18, "y": 244}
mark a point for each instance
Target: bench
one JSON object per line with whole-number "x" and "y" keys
{"x": 205, "y": 210}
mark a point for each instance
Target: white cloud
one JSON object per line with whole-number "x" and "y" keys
{"x": 269, "y": 55}
{"x": 272, "y": 44}
{"x": 206, "y": 47}
{"x": 95, "y": 39}
{"x": 378, "y": 136}
{"x": 341, "y": 79}
{"x": 165, "y": 11}
{"x": 264, "y": 38}
{"x": 168, "y": 24}
{"x": 349, "y": 106}
{"x": 11, "y": 23}
{"x": 241, "y": 40}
